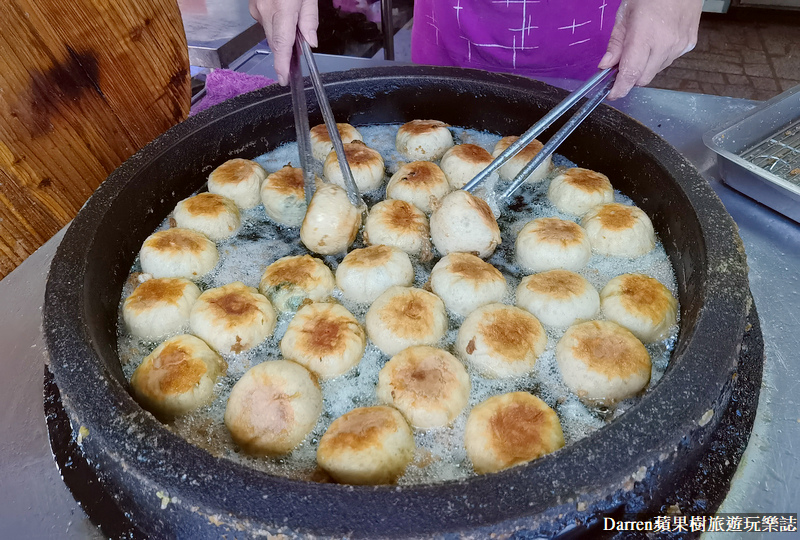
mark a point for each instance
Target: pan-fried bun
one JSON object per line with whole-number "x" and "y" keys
{"x": 159, "y": 307}
{"x": 232, "y": 318}
{"x": 558, "y": 297}
{"x": 641, "y": 304}
{"x": 421, "y": 183}
{"x": 366, "y": 165}
{"x": 513, "y": 166}
{"x": 325, "y": 338}
{"x": 464, "y": 223}
{"x": 577, "y": 190}
{"x": 423, "y": 140}
{"x": 292, "y": 281}
{"x": 466, "y": 282}
{"x": 239, "y": 180}
{"x": 463, "y": 161}
{"x": 331, "y": 222}
{"x": 511, "y": 429}
{"x": 368, "y": 445}
{"x": 400, "y": 224}
{"x": 213, "y": 215}
{"x": 405, "y": 316}
{"x": 284, "y": 196}
{"x": 365, "y": 273}
{"x": 321, "y": 144}
{"x": 178, "y": 252}
{"x": 273, "y": 407}
{"x": 428, "y": 385}
{"x": 177, "y": 377}
{"x": 501, "y": 341}
{"x": 619, "y": 230}
{"x": 602, "y": 362}
{"x": 548, "y": 243}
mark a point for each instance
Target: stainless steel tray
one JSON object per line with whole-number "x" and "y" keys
{"x": 761, "y": 153}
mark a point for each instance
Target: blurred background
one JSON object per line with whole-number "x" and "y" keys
{"x": 746, "y": 48}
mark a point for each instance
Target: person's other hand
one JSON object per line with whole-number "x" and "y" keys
{"x": 281, "y": 19}
{"x": 647, "y": 36}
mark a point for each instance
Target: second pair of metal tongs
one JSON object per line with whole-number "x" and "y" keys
{"x": 603, "y": 81}
{"x": 301, "y": 48}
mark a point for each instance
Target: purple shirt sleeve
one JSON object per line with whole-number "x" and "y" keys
{"x": 536, "y": 38}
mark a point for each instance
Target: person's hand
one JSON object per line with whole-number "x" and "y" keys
{"x": 281, "y": 19}
{"x": 647, "y": 36}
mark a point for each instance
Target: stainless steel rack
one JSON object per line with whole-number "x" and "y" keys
{"x": 778, "y": 154}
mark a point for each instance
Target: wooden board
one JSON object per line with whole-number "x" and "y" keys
{"x": 83, "y": 85}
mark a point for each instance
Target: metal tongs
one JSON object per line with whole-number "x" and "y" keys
{"x": 301, "y": 48}
{"x": 603, "y": 80}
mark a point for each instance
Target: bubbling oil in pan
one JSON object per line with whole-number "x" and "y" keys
{"x": 440, "y": 455}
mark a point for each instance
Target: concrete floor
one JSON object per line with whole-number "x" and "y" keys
{"x": 755, "y": 59}
{"x": 745, "y": 54}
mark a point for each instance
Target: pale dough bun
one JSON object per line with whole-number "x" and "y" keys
{"x": 602, "y": 362}
{"x": 501, "y": 341}
{"x": 558, "y": 297}
{"x": 577, "y": 190}
{"x": 463, "y": 161}
{"x": 366, "y": 165}
{"x": 325, "y": 338}
{"x": 321, "y": 144}
{"x": 511, "y": 429}
{"x": 400, "y": 224}
{"x": 549, "y": 243}
{"x": 213, "y": 215}
{"x": 619, "y": 230}
{"x": 284, "y": 196}
{"x": 421, "y": 183}
{"x": 464, "y": 223}
{"x": 295, "y": 280}
{"x": 423, "y": 140}
{"x": 405, "y": 316}
{"x": 178, "y": 253}
{"x": 273, "y": 407}
{"x": 365, "y": 273}
{"x": 641, "y": 304}
{"x": 239, "y": 180}
{"x": 159, "y": 307}
{"x": 232, "y": 318}
{"x": 177, "y": 377}
{"x": 366, "y": 446}
{"x": 331, "y": 222}
{"x": 513, "y": 166}
{"x": 428, "y": 385}
{"x": 466, "y": 282}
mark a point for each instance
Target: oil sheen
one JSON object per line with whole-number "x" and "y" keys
{"x": 440, "y": 452}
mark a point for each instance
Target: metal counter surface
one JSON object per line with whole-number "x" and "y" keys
{"x": 34, "y": 502}
{"x": 218, "y": 31}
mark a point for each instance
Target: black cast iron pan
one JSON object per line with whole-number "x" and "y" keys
{"x": 630, "y": 465}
